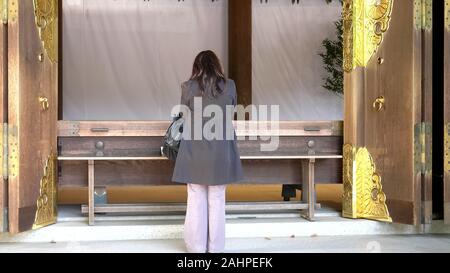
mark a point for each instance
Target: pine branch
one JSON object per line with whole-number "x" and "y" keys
{"x": 332, "y": 58}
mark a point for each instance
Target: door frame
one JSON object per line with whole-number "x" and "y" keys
{"x": 353, "y": 118}
{"x": 3, "y": 116}
{"x": 446, "y": 41}
{"x": 32, "y": 115}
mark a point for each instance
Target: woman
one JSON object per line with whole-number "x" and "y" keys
{"x": 207, "y": 164}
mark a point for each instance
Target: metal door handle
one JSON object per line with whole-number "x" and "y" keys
{"x": 44, "y": 103}
{"x": 378, "y": 104}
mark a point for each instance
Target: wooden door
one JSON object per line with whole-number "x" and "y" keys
{"x": 32, "y": 114}
{"x": 447, "y": 111}
{"x": 3, "y": 90}
{"x": 383, "y": 111}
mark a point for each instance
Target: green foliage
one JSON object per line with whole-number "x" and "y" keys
{"x": 333, "y": 60}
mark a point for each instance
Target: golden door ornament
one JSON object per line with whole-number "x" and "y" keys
{"x": 46, "y": 15}
{"x": 347, "y": 24}
{"x": 363, "y": 192}
{"x": 364, "y": 23}
{"x": 46, "y": 212}
{"x": 349, "y": 196}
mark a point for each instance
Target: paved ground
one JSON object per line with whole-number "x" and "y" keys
{"x": 347, "y": 244}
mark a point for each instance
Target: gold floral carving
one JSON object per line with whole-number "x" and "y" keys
{"x": 46, "y": 203}
{"x": 364, "y": 23}
{"x": 349, "y": 196}
{"x": 347, "y": 21}
{"x": 363, "y": 193}
{"x": 371, "y": 200}
{"x": 46, "y": 16}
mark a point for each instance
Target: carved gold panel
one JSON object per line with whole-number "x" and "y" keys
{"x": 364, "y": 22}
{"x": 46, "y": 212}
{"x": 349, "y": 196}
{"x": 363, "y": 192}
{"x": 347, "y": 18}
{"x": 46, "y": 15}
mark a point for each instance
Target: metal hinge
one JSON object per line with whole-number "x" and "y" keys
{"x": 5, "y": 153}
{"x": 5, "y": 220}
{"x": 447, "y": 147}
{"x": 4, "y": 10}
{"x": 423, "y": 14}
{"x": 447, "y": 14}
{"x": 422, "y": 147}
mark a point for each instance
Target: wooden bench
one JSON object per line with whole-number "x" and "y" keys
{"x": 308, "y": 187}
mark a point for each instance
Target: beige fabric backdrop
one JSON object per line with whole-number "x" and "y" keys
{"x": 125, "y": 59}
{"x": 286, "y": 67}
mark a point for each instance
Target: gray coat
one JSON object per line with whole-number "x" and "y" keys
{"x": 208, "y": 162}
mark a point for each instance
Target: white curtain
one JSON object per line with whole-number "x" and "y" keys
{"x": 287, "y": 70}
{"x": 126, "y": 59}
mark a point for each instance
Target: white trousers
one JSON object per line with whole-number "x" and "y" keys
{"x": 204, "y": 227}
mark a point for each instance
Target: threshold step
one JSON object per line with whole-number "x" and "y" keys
{"x": 181, "y": 207}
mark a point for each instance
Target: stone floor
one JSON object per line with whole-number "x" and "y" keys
{"x": 256, "y": 232}
{"x": 73, "y": 227}
{"x": 321, "y": 244}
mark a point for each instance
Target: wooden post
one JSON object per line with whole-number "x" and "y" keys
{"x": 3, "y": 115}
{"x": 305, "y": 179}
{"x": 308, "y": 187}
{"x": 427, "y": 108}
{"x": 240, "y": 48}
{"x": 91, "y": 183}
{"x": 311, "y": 190}
{"x": 32, "y": 114}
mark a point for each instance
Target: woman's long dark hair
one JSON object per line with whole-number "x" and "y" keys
{"x": 208, "y": 72}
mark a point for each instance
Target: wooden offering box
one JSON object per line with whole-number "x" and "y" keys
{"x": 114, "y": 139}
